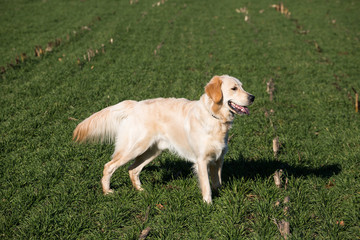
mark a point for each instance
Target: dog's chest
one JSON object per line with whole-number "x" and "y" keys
{"x": 218, "y": 136}
{"x": 214, "y": 142}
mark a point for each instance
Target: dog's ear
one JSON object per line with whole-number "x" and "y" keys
{"x": 213, "y": 89}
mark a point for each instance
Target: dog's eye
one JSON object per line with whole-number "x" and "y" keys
{"x": 234, "y": 88}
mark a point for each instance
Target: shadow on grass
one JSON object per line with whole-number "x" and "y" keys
{"x": 173, "y": 169}
{"x": 240, "y": 167}
{"x": 264, "y": 168}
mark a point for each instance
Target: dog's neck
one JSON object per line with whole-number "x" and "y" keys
{"x": 214, "y": 116}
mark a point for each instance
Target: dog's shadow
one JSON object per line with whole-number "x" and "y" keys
{"x": 249, "y": 169}
{"x": 264, "y": 168}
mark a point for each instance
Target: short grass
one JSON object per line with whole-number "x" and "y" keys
{"x": 50, "y": 186}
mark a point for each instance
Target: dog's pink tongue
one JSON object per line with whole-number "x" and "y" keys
{"x": 246, "y": 110}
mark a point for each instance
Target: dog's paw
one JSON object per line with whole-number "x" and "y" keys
{"x": 110, "y": 191}
{"x": 207, "y": 200}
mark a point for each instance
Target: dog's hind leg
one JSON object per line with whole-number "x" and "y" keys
{"x": 121, "y": 157}
{"x": 215, "y": 173}
{"x": 140, "y": 162}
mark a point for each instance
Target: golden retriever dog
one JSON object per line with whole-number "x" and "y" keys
{"x": 195, "y": 130}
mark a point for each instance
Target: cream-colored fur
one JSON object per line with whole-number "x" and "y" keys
{"x": 195, "y": 130}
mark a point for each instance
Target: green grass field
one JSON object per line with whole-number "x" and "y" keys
{"x": 50, "y": 186}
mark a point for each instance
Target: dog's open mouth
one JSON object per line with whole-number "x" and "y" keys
{"x": 238, "y": 109}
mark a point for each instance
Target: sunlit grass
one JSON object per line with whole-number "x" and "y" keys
{"x": 50, "y": 186}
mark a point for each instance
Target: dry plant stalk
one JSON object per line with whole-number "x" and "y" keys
{"x": 356, "y": 102}
{"x": 147, "y": 214}
{"x": 159, "y": 3}
{"x": 245, "y": 11}
{"x": 90, "y": 54}
{"x": 276, "y": 146}
{"x": 284, "y": 228}
{"x": 270, "y": 88}
{"x": 286, "y": 208}
{"x": 144, "y": 233}
{"x": 23, "y": 57}
{"x": 280, "y": 8}
{"x": 269, "y": 113}
{"x": 229, "y": 138}
{"x": 158, "y": 47}
{"x": 103, "y": 48}
{"x": 49, "y": 47}
{"x": 38, "y": 51}
{"x": 133, "y": 1}
{"x": 58, "y": 42}
{"x": 266, "y": 113}
{"x": 277, "y": 178}
{"x": 271, "y": 95}
{"x": 72, "y": 119}
{"x": 317, "y": 47}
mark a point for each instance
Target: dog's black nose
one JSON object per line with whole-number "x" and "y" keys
{"x": 251, "y": 98}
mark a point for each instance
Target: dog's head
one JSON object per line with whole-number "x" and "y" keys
{"x": 228, "y": 97}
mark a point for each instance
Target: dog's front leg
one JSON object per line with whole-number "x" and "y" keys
{"x": 202, "y": 169}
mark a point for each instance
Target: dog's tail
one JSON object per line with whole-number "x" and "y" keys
{"x": 104, "y": 125}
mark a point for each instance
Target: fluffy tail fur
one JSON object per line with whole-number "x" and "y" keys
{"x": 104, "y": 125}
